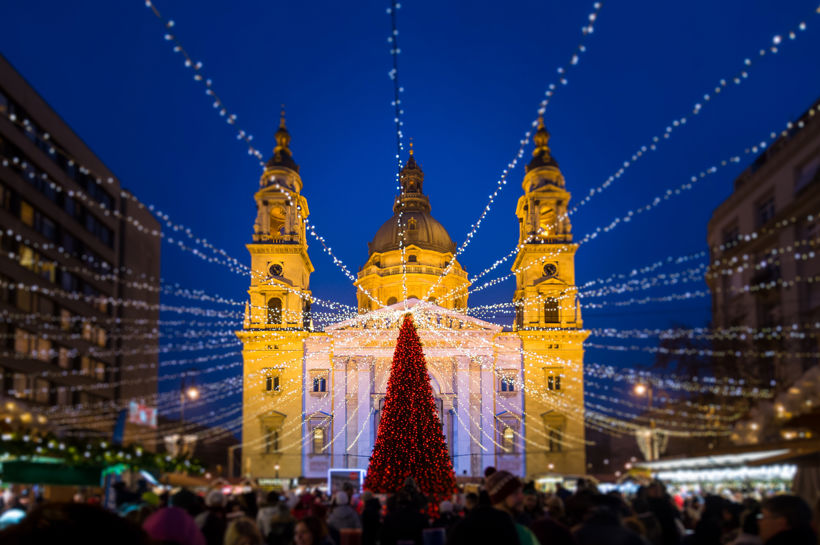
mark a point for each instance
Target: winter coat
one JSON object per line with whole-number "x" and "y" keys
{"x": 344, "y": 516}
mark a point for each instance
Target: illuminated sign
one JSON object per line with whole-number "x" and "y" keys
{"x": 142, "y": 415}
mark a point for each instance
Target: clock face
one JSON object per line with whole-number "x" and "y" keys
{"x": 276, "y": 269}
{"x": 550, "y": 270}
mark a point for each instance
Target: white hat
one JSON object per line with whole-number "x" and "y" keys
{"x": 215, "y": 498}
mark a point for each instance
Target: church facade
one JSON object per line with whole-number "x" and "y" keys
{"x": 507, "y": 396}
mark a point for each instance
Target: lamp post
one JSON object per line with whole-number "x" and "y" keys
{"x": 642, "y": 389}
{"x": 187, "y": 391}
{"x": 276, "y": 468}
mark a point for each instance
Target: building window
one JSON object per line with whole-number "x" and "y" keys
{"x": 41, "y": 391}
{"x": 274, "y": 310}
{"x": 519, "y": 314}
{"x": 272, "y": 383}
{"x": 63, "y": 359}
{"x": 508, "y": 439}
{"x": 412, "y": 258}
{"x": 319, "y": 384}
{"x": 26, "y": 213}
{"x": 20, "y": 382}
{"x": 730, "y": 234}
{"x": 306, "y": 317}
{"x": 808, "y": 173}
{"x": 392, "y": 301}
{"x": 507, "y": 384}
{"x": 554, "y": 440}
{"x": 765, "y": 210}
{"x": 551, "y": 311}
{"x": 271, "y": 440}
{"x": 318, "y": 440}
{"x": 554, "y": 382}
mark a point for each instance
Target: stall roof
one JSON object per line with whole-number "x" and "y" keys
{"x": 750, "y": 455}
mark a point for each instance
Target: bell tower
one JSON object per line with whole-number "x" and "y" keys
{"x": 277, "y": 318}
{"x": 548, "y": 317}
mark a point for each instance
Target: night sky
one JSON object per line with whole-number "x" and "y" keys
{"x": 473, "y": 73}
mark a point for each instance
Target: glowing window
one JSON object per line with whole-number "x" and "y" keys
{"x": 318, "y": 440}
{"x": 508, "y": 439}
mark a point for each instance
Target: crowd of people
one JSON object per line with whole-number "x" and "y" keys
{"x": 503, "y": 510}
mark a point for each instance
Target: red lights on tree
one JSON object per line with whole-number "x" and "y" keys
{"x": 410, "y": 442}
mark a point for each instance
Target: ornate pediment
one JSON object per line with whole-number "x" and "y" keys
{"x": 427, "y": 316}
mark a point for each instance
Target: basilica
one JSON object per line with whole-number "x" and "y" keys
{"x": 509, "y": 396}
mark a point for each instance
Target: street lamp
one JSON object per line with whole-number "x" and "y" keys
{"x": 187, "y": 390}
{"x": 640, "y": 390}
{"x": 276, "y": 468}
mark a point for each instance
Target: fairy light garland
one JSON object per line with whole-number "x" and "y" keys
{"x": 586, "y": 31}
{"x": 723, "y": 84}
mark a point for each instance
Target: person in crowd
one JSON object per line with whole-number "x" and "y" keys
{"x": 174, "y": 525}
{"x": 470, "y": 502}
{"x": 786, "y": 520}
{"x": 243, "y": 531}
{"x": 554, "y": 507}
{"x": 281, "y": 526}
{"x": 55, "y": 523}
{"x": 371, "y": 519}
{"x": 664, "y": 509}
{"x": 603, "y": 524}
{"x": 185, "y": 499}
{"x": 531, "y": 509}
{"x": 311, "y": 531}
{"x": 749, "y": 529}
{"x": 304, "y": 507}
{"x": 343, "y": 515}
{"x": 211, "y": 522}
{"x": 709, "y": 527}
{"x": 551, "y": 532}
{"x": 506, "y": 497}
{"x": 404, "y": 520}
{"x": 446, "y": 518}
{"x": 562, "y": 492}
{"x": 647, "y": 519}
{"x": 270, "y": 507}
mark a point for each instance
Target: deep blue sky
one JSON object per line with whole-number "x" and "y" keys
{"x": 474, "y": 73}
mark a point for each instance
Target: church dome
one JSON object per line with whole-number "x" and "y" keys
{"x": 421, "y": 229}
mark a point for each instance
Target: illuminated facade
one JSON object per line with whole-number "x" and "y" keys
{"x": 511, "y": 397}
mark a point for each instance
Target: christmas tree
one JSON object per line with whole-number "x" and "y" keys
{"x": 410, "y": 442}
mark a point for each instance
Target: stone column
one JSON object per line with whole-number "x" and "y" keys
{"x": 461, "y": 439}
{"x": 364, "y": 422}
{"x": 487, "y": 410}
{"x": 339, "y": 411}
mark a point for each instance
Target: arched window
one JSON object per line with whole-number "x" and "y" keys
{"x": 519, "y": 314}
{"x": 392, "y": 301}
{"x": 508, "y": 439}
{"x": 318, "y": 440}
{"x": 551, "y": 311}
{"x": 274, "y": 310}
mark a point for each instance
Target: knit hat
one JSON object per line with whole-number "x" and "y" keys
{"x": 500, "y": 485}
{"x": 446, "y": 507}
{"x": 341, "y": 498}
